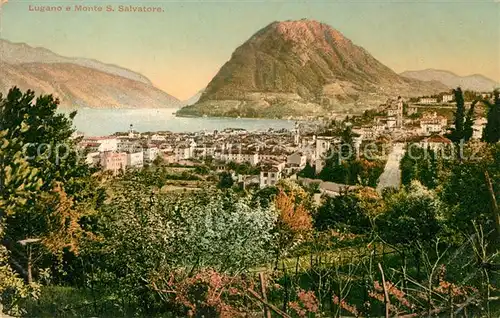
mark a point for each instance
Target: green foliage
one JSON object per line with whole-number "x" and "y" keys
{"x": 12, "y": 287}
{"x": 202, "y": 229}
{"x": 353, "y": 172}
{"x": 36, "y": 155}
{"x": 265, "y": 196}
{"x": 158, "y": 176}
{"x": 423, "y": 165}
{"x": 414, "y": 214}
{"x": 464, "y": 120}
{"x": 225, "y": 180}
{"x": 491, "y": 133}
{"x": 343, "y": 213}
{"x": 308, "y": 171}
{"x": 466, "y": 191}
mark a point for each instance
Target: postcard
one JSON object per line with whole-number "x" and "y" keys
{"x": 249, "y": 158}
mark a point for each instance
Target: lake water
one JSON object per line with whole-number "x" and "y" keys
{"x": 100, "y": 122}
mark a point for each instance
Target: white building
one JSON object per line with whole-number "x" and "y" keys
{"x": 93, "y": 158}
{"x": 100, "y": 144}
{"x": 323, "y": 144}
{"x": 150, "y": 154}
{"x": 427, "y": 100}
{"x": 478, "y": 128}
{"x": 182, "y": 153}
{"x": 129, "y": 145}
{"x": 269, "y": 176}
{"x": 433, "y": 124}
{"x": 448, "y": 98}
{"x": 135, "y": 160}
{"x": 157, "y": 137}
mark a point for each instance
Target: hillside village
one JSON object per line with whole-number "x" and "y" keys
{"x": 276, "y": 154}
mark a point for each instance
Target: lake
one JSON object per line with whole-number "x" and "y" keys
{"x": 101, "y": 122}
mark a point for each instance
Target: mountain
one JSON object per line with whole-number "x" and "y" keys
{"x": 78, "y": 86}
{"x": 20, "y": 53}
{"x": 474, "y": 82}
{"x": 301, "y": 68}
{"x": 193, "y": 99}
{"x": 77, "y": 82}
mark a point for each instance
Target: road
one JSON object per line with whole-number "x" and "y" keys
{"x": 391, "y": 177}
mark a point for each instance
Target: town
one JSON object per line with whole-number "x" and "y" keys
{"x": 282, "y": 154}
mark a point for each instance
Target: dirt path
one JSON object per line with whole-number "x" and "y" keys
{"x": 391, "y": 177}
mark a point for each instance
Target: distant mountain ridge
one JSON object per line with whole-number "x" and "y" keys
{"x": 20, "y": 53}
{"x": 303, "y": 67}
{"x": 78, "y": 86}
{"x": 77, "y": 82}
{"x": 475, "y": 82}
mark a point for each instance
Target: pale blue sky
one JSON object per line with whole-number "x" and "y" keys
{"x": 181, "y": 49}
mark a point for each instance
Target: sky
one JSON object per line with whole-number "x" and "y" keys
{"x": 183, "y": 47}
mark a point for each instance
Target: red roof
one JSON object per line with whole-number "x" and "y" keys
{"x": 438, "y": 139}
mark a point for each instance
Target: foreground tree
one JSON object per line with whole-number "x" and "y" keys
{"x": 412, "y": 221}
{"x": 150, "y": 235}
{"x": 38, "y": 162}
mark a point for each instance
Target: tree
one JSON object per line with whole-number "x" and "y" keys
{"x": 39, "y": 140}
{"x": 344, "y": 213}
{"x": 414, "y": 214}
{"x": 308, "y": 171}
{"x": 153, "y": 234}
{"x": 491, "y": 133}
{"x": 225, "y": 180}
{"x": 293, "y": 224}
{"x": 465, "y": 190}
{"x": 469, "y": 122}
{"x": 463, "y": 122}
{"x": 423, "y": 165}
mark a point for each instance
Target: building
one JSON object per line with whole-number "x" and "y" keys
{"x": 427, "y": 100}
{"x": 436, "y": 143}
{"x": 298, "y": 159}
{"x": 183, "y": 152}
{"x": 323, "y": 144}
{"x": 433, "y": 124}
{"x": 150, "y": 154}
{"x": 135, "y": 160}
{"x": 269, "y": 176}
{"x": 113, "y": 161}
{"x": 448, "y": 98}
{"x": 133, "y": 133}
{"x": 100, "y": 144}
{"x": 129, "y": 145}
{"x": 157, "y": 137}
{"x": 93, "y": 158}
{"x": 478, "y": 128}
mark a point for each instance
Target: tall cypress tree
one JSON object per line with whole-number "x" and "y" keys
{"x": 469, "y": 122}
{"x": 491, "y": 133}
{"x": 459, "y": 114}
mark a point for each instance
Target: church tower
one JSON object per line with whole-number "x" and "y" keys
{"x": 296, "y": 135}
{"x": 399, "y": 116}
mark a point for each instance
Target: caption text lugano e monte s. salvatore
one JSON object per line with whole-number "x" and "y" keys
{"x": 95, "y": 8}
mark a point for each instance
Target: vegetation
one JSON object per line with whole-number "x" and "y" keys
{"x": 344, "y": 165}
{"x": 80, "y": 243}
{"x": 491, "y": 133}
{"x": 462, "y": 129}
